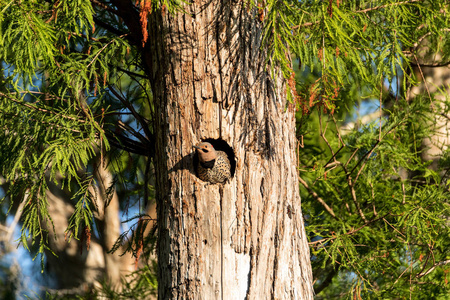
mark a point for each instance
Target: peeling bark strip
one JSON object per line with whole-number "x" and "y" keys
{"x": 204, "y": 64}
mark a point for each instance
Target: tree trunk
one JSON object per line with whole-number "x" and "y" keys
{"x": 434, "y": 82}
{"x": 75, "y": 266}
{"x": 245, "y": 238}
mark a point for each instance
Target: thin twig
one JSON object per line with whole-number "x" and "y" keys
{"x": 393, "y": 227}
{"x": 365, "y": 155}
{"x": 322, "y": 134}
{"x": 103, "y": 48}
{"x": 381, "y": 107}
{"x": 364, "y": 163}
{"x": 351, "y": 157}
{"x": 445, "y": 262}
{"x": 337, "y": 131}
{"x": 355, "y": 199}
{"x": 426, "y": 261}
{"x": 317, "y": 197}
{"x": 373, "y": 198}
{"x": 425, "y": 83}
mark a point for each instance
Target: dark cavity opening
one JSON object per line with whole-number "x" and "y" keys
{"x": 221, "y": 145}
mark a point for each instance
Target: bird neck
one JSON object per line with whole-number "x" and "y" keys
{"x": 208, "y": 164}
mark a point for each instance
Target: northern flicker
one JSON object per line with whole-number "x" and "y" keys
{"x": 213, "y": 166}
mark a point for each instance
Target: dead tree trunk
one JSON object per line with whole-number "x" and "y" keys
{"x": 246, "y": 238}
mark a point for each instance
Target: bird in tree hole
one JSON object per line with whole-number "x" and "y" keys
{"x": 213, "y": 165}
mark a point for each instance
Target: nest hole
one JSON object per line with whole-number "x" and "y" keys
{"x": 221, "y": 145}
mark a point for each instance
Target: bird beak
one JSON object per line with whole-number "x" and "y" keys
{"x": 196, "y": 147}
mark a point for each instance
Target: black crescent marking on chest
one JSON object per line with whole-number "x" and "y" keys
{"x": 208, "y": 164}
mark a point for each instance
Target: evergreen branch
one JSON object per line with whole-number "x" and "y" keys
{"x": 416, "y": 44}
{"x": 23, "y": 103}
{"x": 401, "y": 275}
{"x": 350, "y": 232}
{"x": 127, "y": 144}
{"x": 307, "y": 24}
{"x": 425, "y": 83}
{"x": 350, "y": 159}
{"x": 86, "y": 37}
{"x": 367, "y": 154}
{"x": 354, "y": 198}
{"x": 393, "y": 227}
{"x": 47, "y": 95}
{"x": 430, "y": 247}
{"x": 45, "y": 122}
{"x": 387, "y": 5}
{"x": 338, "y": 132}
{"x": 103, "y": 48}
{"x": 365, "y": 160}
{"x": 335, "y": 162}
{"x": 318, "y": 198}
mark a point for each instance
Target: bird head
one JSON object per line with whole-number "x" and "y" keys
{"x": 205, "y": 151}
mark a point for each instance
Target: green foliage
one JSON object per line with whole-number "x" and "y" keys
{"x": 141, "y": 284}
{"x": 74, "y": 92}
{"x": 144, "y": 287}
{"x": 354, "y": 41}
{"x": 58, "y": 115}
{"x": 387, "y": 222}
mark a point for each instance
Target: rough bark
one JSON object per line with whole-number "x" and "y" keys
{"x": 246, "y": 238}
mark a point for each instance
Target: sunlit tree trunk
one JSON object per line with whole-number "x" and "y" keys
{"x": 244, "y": 239}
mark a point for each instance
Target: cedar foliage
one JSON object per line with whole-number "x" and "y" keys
{"x": 385, "y": 231}
{"x": 74, "y": 88}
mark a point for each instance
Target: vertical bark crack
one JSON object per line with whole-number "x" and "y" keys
{"x": 221, "y": 241}
{"x": 275, "y": 258}
{"x": 218, "y": 56}
{"x": 218, "y": 47}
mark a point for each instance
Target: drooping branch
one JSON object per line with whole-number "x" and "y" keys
{"x": 307, "y": 24}
{"x": 387, "y": 5}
